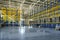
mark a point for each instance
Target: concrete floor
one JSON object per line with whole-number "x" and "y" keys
{"x": 24, "y": 33}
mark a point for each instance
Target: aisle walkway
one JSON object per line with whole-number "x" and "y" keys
{"x": 17, "y": 33}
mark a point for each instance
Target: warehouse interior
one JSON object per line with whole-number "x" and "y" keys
{"x": 32, "y": 17}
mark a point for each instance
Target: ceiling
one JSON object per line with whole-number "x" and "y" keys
{"x": 19, "y": 3}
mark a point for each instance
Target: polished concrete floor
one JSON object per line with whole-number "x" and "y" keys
{"x": 25, "y": 33}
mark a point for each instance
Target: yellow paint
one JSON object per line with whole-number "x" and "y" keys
{"x": 47, "y": 13}
{"x": 10, "y": 14}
